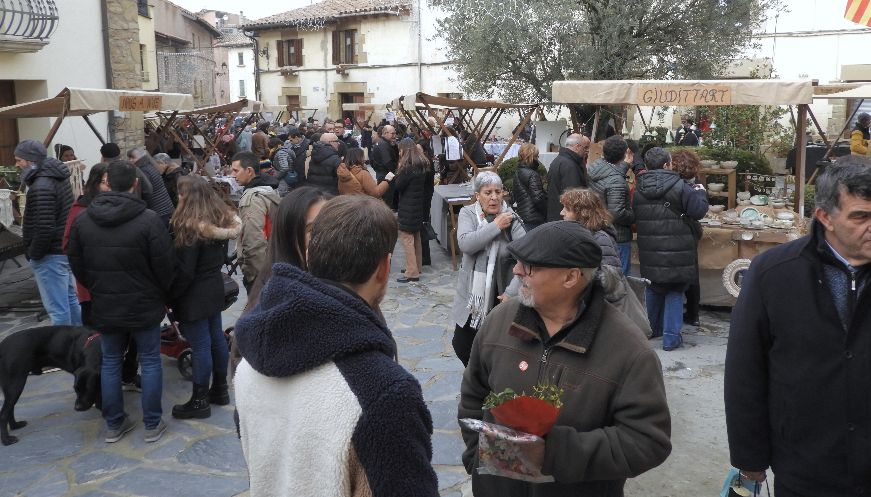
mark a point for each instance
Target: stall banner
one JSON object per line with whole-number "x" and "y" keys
{"x": 684, "y": 94}
{"x": 858, "y": 11}
{"x": 139, "y": 103}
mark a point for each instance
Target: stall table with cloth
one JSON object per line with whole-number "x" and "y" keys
{"x": 496, "y": 149}
{"x": 723, "y": 249}
{"x": 443, "y": 219}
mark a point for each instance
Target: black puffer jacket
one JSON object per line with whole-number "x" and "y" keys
{"x": 49, "y": 199}
{"x": 299, "y": 160}
{"x": 606, "y": 240}
{"x": 198, "y": 289}
{"x": 609, "y": 181}
{"x": 667, "y": 249}
{"x": 529, "y": 194}
{"x": 121, "y": 252}
{"x": 566, "y": 171}
{"x": 159, "y": 201}
{"x": 414, "y": 198}
{"x": 322, "y": 168}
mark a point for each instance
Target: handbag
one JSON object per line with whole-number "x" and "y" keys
{"x": 695, "y": 226}
{"x": 427, "y": 232}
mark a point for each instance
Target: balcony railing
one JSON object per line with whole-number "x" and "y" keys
{"x": 26, "y": 25}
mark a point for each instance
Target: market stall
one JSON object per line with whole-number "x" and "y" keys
{"x": 752, "y": 224}
{"x": 851, "y": 92}
{"x": 363, "y": 112}
{"x": 418, "y": 107}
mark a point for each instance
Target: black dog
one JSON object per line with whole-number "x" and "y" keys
{"x": 74, "y": 349}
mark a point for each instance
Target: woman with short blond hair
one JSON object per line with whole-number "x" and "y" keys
{"x": 529, "y": 193}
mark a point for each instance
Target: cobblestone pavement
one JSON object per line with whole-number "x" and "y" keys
{"x": 62, "y": 452}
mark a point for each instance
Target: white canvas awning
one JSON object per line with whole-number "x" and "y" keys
{"x": 684, "y": 93}
{"x": 862, "y": 92}
{"x": 87, "y": 101}
{"x": 365, "y": 106}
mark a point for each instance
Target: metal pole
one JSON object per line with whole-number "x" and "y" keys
{"x": 800, "y": 156}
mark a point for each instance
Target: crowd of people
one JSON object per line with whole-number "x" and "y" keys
{"x": 543, "y": 296}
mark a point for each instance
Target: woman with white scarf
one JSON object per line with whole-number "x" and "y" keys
{"x": 483, "y": 230}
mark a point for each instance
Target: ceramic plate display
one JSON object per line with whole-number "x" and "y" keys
{"x": 750, "y": 213}
{"x": 759, "y": 199}
{"x": 787, "y": 216}
{"x": 714, "y": 222}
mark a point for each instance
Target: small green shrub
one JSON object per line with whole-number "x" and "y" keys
{"x": 509, "y": 167}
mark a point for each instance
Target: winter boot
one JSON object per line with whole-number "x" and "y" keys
{"x": 218, "y": 394}
{"x": 198, "y": 407}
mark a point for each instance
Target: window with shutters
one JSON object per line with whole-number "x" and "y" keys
{"x": 241, "y": 88}
{"x": 241, "y": 58}
{"x": 344, "y": 46}
{"x": 289, "y": 52}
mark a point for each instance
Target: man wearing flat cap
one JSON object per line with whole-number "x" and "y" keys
{"x": 614, "y": 423}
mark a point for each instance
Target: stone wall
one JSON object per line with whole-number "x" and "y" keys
{"x": 127, "y": 128}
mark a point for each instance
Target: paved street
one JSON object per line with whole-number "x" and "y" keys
{"x": 62, "y": 452}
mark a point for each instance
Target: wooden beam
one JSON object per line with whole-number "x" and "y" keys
{"x": 450, "y": 131}
{"x": 817, "y": 125}
{"x": 800, "y": 157}
{"x": 514, "y": 136}
{"x": 94, "y": 129}
{"x": 55, "y": 127}
{"x": 846, "y": 125}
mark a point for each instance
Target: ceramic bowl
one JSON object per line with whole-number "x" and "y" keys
{"x": 707, "y": 163}
{"x": 716, "y": 187}
{"x": 743, "y": 202}
{"x": 778, "y": 204}
{"x": 785, "y": 216}
{"x": 758, "y": 223}
{"x": 716, "y": 209}
{"x": 759, "y": 200}
{"x": 714, "y": 223}
{"x": 729, "y": 164}
{"x": 743, "y": 195}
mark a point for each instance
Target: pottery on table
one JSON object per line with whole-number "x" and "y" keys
{"x": 743, "y": 195}
{"x": 716, "y": 187}
{"x": 729, "y": 164}
{"x": 716, "y": 209}
{"x": 778, "y": 204}
{"x": 743, "y": 202}
{"x": 785, "y": 216}
{"x": 707, "y": 163}
{"x": 759, "y": 200}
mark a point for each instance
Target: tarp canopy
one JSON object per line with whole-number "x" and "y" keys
{"x": 410, "y": 101}
{"x": 862, "y": 92}
{"x": 86, "y": 101}
{"x": 215, "y": 109}
{"x": 684, "y": 93}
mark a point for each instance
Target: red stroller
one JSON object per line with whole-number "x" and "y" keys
{"x": 173, "y": 343}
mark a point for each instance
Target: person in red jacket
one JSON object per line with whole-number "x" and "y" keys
{"x": 93, "y": 187}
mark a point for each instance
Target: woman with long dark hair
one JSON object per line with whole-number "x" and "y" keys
{"x": 411, "y": 186}
{"x": 201, "y": 226}
{"x": 291, "y": 228}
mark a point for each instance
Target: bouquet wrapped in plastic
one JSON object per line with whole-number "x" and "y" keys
{"x": 514, "y": 448}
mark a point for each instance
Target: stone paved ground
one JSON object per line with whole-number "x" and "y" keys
{"x": 62, "y": 452}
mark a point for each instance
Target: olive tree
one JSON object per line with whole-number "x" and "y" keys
{"x": 514, "y": 50}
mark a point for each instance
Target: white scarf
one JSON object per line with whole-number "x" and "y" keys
{"x": 481, "y": 289}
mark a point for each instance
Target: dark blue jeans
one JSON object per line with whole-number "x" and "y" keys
{"x": 113, "y": 346}
{"x": 624, "y": 249}
{"x": 665, "y": 312}
{"x": 208, "y": 347}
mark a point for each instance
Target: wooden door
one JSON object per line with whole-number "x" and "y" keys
{"x": 8, "y": 127}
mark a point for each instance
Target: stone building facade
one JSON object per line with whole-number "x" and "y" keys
{"x": 125, "y": 128}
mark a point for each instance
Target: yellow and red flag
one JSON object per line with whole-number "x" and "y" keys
{"x": 859, "y": 11}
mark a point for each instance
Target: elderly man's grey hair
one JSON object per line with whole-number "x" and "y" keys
{"x": 162, "y": 157}
{"x": 486, "y": 178}
{"x": 573, "y": 140}
{"x": 851, "y": 174}
{"x": 134, "y": 154}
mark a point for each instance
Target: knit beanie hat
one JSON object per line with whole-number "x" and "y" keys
{"x": 31, "y": 150}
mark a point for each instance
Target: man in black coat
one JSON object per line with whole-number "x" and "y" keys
{"x": 49, "y": 198}
{"x": 299, "y": 144}
{"x": 121, "y": 252}
{"x": 159, "y": 201}
{"x": 325, "y": 160}
{"x": 665, "y": 206}
{"x": 798, "y": 363}
{"x": 566, "y": 171}
{"x": 384, "y": 159}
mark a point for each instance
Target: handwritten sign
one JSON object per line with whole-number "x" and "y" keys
{"x": 677, "y": 94}
{"x": 134, "y": 104}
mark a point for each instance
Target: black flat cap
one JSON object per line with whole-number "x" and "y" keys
{"x": 558, "y": 244}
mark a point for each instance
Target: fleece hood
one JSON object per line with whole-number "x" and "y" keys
{"x": 302, "y": 322}
{"x": 115, "y": 208}
{"x": 656, "y": 183}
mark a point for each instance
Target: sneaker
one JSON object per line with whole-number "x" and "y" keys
{"x": 155, "y": 433}
{"x": 113, "y": 435}
{"x": 134, "y": 385}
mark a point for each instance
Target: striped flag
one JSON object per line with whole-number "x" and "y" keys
{"x": 859, "y": 11}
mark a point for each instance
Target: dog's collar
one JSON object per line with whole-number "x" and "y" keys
{"x": 90, "y": 339}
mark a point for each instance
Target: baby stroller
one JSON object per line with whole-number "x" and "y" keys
{"x": 173, "y": 343}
